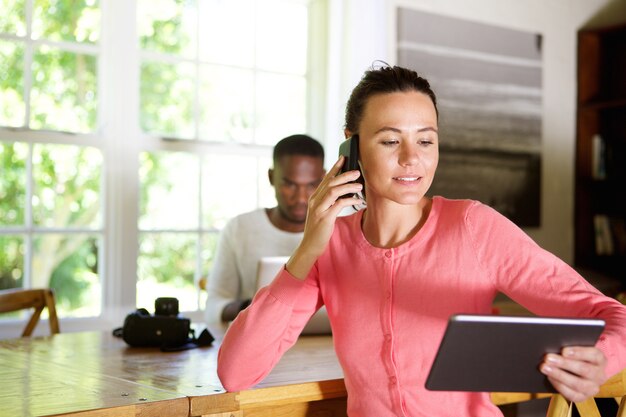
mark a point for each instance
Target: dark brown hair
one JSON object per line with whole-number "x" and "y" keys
{"x": 382, "y": 80}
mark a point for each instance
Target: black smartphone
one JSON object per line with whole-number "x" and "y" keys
{"x": 350, "y": 150}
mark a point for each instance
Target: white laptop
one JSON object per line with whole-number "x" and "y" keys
{"x": 266, "y": 271}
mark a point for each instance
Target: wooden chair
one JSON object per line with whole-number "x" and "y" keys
{"x": 14, "y": 300}
{"x": 614, "y": 387}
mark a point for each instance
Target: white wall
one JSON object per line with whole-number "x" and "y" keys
{"x": 365, "y": 24}
{"x": 358, "y": 35}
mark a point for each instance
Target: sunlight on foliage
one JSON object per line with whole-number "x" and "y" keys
{"x": 73, "y": 273}
{"x": 167, "y": 99}
{"x": 66, "y": 192}
{"x": 63, "y": 95}
{"x": 66, "y": 189}
{"x": 11, "y": 262}
{"x": 236, "y": 61}
{"x": 12, "y": 110}
{"x": 227, "y": 107}
{"x": 166, "y": 268}
{"x": 209, "y": 70}
{"x": 13, "y": 17}
{"x": 13, "y": 185}
{"x": 58, "y": 20}
{"x": 169, "y": 200}
{"x": 167, "y": 26}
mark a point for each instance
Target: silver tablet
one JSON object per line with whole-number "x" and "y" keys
{"x": 503, "y": 353}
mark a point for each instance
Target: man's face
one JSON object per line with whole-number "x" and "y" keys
{"x": 294, "y": 178}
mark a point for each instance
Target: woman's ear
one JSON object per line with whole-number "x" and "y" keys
{"x": 347, "y": 133}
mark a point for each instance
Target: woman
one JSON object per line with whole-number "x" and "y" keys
{"x": 391, "y": 275}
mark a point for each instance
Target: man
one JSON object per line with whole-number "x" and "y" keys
{"x": 298, "y": 169}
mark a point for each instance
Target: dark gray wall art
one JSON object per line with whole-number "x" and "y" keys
{"x": 488, "y": 85}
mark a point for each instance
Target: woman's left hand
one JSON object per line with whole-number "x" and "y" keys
{"x": 577, "y": 372}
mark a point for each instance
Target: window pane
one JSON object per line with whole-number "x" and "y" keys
{"x": 64, "y": 91}
{"x": 281, "y": 107}
{"x": 66, "y": 186}
{"x": 12, "y": 107}
{"x": 227, "y": 32}
{"x": 68, "y": 263}
{"x": 226, "y": 103}
{"x": 13, "y": 158}
{"x": 169, "y": 191}
{"x": 229, "y": 187}
{"x": 166, "y": 268}
{"x": 291, "y": 34}
{"x": 167, "y": 26}
{"x": 11, "y": 261}
{"x": 167, "y": 99}
{"x": 66, "y": 20}
{"x": 12, "y": 18}
{"x": 209, "y": 246}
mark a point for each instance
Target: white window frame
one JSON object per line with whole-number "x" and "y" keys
{"x": 120, "y": 139}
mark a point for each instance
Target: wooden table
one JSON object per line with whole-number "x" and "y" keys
{"x": 96, "y": 374}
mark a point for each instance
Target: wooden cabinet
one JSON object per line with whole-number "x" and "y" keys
{"x": 600, "y": 193}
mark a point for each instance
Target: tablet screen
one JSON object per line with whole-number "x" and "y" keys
{"x": 503, "y": 353}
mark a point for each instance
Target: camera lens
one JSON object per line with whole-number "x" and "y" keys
{"x": 166, "y": 306}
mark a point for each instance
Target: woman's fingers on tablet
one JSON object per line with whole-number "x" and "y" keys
{"x": 577, "y": 372}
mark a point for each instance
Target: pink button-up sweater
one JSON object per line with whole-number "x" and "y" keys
{"x": 388, "y": 308}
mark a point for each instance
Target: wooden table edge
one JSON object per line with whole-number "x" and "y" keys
{"x": 175, "y": 407}
{"x": 267, "y": 397}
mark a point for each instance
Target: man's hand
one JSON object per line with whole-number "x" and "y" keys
{"x": 233, "y": 308}
{"x": 577, "y": 372}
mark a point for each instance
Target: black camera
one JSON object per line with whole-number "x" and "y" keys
{"x": 165, "y": 328}
{"x": 166, "y": 306}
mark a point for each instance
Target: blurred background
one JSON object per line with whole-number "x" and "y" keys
{"x": 131, "y": 130}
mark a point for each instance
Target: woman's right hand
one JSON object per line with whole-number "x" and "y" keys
{"x": 324, "y": 207}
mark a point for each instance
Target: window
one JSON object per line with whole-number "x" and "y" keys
{"x": 55, "y": 240}
{"x": 223, "y": 71}
{"x": 50, "y": 193}
{"x": 228, "y": 83}
{"x": 130, "y": 132}
{"x": 185, "y": 200}
{"x": 48, "y": 54}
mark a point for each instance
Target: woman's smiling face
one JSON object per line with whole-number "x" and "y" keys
{"x": 399, "y": 146}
